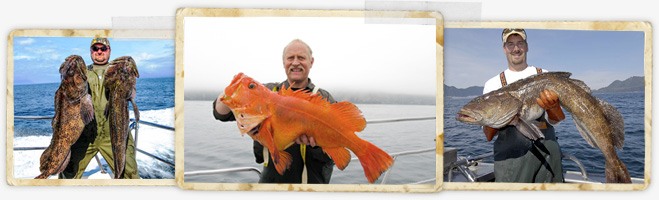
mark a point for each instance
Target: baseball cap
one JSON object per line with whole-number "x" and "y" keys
{"x": 510, "y": 31}
{"x": 100, "y": 40}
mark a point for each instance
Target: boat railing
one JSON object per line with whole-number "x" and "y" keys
{"x": 132, "y": 126}
{"x": 462, "y": 165}
{"x": 384, "y": 176}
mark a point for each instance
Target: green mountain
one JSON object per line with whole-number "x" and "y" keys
{"x": 632, "y": 84}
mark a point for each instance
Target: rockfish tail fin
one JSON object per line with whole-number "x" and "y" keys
{"x": 374, "y": 160}
{"x": 340, "y": 156}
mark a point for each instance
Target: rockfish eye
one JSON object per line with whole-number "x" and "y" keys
{"x": 251, "y": 86}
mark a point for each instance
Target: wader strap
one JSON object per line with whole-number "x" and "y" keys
{"x": 303, "y": 151}
{"x": 502, "y": 77}
{"x": 534, "y": 149}
{"x": 305, "y": 176}
{"x": 266, "y": 156}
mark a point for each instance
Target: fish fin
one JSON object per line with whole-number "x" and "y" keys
{"x": 86, "y": 109}
{"x": 106, "y": 112}
{"x": 349, "y": 115}
{"x": 58, "y": 95}
{"x": 340, "y": 156}
{"x": 316, "y": 99}
{"x": 374, "y": 160}
{"x": 64, "y": 163}
{"x": 245, "y": 121}
{"x": 529, "y": 130}
{"x": 581, "y": 84}
{"x": 136, "y": 111}
{"x": 283, "y": 162}
{"x": 585, "y": 134}
{"x": 560, "y": 74}
{"x": 616, "y": 122}
{"x": 281, "y": 159}
{"x": 616, "y": 171}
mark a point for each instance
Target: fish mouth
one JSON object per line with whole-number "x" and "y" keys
{"x": 467, "y": 117}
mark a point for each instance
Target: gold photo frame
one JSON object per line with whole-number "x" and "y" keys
{"x": 197, "y": 35}
{"x": 34, "y": 57}
{"x": 545, "y": 40}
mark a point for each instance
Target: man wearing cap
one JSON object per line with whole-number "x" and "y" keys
{"x": 96, "y": 135}
{"x": 516, "y": 158}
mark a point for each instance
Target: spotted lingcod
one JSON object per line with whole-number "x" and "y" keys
{"x": 119, "y": 83}
{"x": 73, "y": 110}
{"x": 277, "y": 119}
{"x": 598, "y": 122}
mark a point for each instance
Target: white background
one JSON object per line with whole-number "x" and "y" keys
{"x": 362, "y": 57}
{"x": 30, "y": 14}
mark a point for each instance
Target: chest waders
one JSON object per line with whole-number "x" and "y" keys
{"x": 511, "y": 149}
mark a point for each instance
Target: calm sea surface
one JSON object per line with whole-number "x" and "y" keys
{"x": 155, "y": 99}
{"x": 211, "y": 144}
{"x": 470, "y": 141}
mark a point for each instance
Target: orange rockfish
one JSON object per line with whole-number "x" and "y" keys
{"x": 277, "y": 119}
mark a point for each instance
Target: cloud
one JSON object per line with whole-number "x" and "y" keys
{"x": 27, "y": 41}
{"x": 23, "y": 57}
{"x": 153, "y": 61}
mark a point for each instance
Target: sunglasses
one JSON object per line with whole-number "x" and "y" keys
{"x": 103, "y": 49}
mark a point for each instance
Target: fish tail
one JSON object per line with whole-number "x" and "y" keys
{"x": 374, "y": 160}
{"x": 616, "y": 172}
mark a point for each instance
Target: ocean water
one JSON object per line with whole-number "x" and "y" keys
{"x": 470, "y": 141}
{"x": 155, "y": 99}
{"x": 212, "y": 144}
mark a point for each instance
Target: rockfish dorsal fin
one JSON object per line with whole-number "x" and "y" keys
{"x": 349, "y": 115}
{"x": 346, "y": 112}
{"x": 302, "y": 94}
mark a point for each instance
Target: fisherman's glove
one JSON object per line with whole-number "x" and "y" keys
{"x": 549, "y": 101}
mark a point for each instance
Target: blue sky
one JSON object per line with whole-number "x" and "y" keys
{"x": 473, "y": 55}
{"x": 37, "y": 59}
